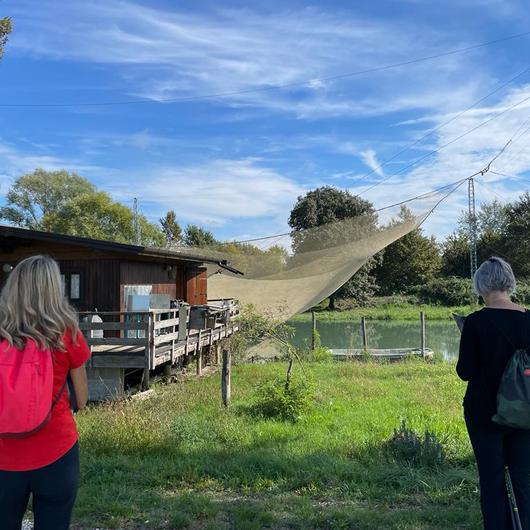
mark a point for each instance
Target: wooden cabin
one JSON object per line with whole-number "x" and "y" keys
{"x": 98, "y": 274}
{"x": 138, "y": 305}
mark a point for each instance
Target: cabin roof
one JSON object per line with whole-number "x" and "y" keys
{"x": 10, "y": 232}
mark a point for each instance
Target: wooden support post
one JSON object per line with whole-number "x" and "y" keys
{"x": 198, "y": 355}
{"x": 225, "y": 377}
{"x": 217, "y": 353}
{"x": 363, "y": 333}
{"x": 313, "y": 330}
{"x": 422, "y": 323}
{"x": 149, "y": 345}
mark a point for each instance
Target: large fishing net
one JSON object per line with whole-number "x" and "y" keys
{"x": 284, "y": 275}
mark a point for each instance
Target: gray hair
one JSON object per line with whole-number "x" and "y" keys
{"x": 494, "y": 274}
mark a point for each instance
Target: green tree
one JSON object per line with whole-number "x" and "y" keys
{"x": 195, "y": 236}
{"x": 411, "y": 260}
{"x": 5, "y": 30}
{"x": 97, "y": 216}
{"x": 492, "y": 233}
{"x": 325, "y": 206}
{"x": 42, "y": 193}
{"x": 455, "y": 255}
{"x": 516, "y": 241}
{"x": 170, "y": 228}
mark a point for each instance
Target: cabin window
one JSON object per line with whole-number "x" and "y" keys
{"x": 75, "y": 283}
{"x": 71, "y": 285}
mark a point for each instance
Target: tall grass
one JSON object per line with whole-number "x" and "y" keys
{"x": 179, "y": 460}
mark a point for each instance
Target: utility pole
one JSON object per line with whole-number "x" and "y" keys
{"x": 472, "y": 226}
{"x": 136, "y": 222}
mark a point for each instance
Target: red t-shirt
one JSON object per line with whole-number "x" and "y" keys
{"x": 59, "y": 435}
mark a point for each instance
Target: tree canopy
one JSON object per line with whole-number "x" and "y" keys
{"x": 42, "y": 193}
{"x": 411, "y": 260}
{"x": 323, "y": 207}
{"x": 62, "y": 202}
{"x": 171, "y": 228}
{"x": 195, "y": 236}
{"x": 5, "y": 30}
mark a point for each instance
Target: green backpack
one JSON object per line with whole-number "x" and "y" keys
{"x": 513, "y": 396}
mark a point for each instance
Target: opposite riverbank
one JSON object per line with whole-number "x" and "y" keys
{"x": 175, "y": 458}
{"x": 383, "y": 311}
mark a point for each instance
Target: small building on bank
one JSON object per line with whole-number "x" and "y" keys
{"x": 99, "y": 275}
{"x": 134, "y": 302}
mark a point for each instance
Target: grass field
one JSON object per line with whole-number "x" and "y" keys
{"x": 403, "y": 311}
{"x": 177, "y": 459}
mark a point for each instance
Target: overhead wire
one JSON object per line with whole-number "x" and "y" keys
{"x": 456, "y": 184}
{"x": 420, "y": 159}
{"x": 272, "y": 87}
{"x": 439, "y": 127}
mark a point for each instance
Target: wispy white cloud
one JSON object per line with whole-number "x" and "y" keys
{"x": 170, "y": 54}
{"x": 465, "y": 157}
{"x": 218, "y": 191}
{"x": 369, "y": 158}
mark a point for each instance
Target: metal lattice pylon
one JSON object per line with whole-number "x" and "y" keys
{"x": 472, "y": 227}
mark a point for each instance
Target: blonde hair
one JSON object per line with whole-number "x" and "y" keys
{"x": 33, "y": 306}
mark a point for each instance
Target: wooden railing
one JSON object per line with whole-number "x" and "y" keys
{"x": 130, "y": 331}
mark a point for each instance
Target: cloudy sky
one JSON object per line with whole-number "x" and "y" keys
{"x": 179, "y": 104}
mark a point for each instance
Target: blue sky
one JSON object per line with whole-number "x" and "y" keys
{"x": 236, "y": 164}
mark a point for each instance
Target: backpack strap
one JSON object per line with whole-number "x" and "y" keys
{"x": 506, "y": 336}
{"x": 56, "y": 400}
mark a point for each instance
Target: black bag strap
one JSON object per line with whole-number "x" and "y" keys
{"x": 506, "y": 336}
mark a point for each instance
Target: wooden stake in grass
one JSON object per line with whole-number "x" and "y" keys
{"x": 225, "y": 377}
{"x": 363, "y": 333}
{"x": 422, "y": 322}
{"x": 313, "y": 330}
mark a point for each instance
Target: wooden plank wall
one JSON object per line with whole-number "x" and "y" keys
{"x": 99, "y": 283}
{"x": 151, "y": 273}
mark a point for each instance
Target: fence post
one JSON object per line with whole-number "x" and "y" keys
{"x": 198, "y": 354}
{"x": 225, "y": 377}
{"x": 149, "y": 351}
{"x": 363, "y": 333}
{"x": 313, "y": 330}
{"x": 422, "y": 323}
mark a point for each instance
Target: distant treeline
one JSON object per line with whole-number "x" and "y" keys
{"x": 416, "y": 265}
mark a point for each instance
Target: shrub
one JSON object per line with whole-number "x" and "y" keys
{"x": 522, "y": 292}
{"x": 319, "y": 353}
{"x": 451, "y": 291}
{"x": 407, "y": 446}
{"x": 286, "y": 402}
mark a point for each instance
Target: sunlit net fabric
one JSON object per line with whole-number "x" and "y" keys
{"x": 286, "y": 275}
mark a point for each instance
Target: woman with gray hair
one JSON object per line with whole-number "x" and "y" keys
{"x": 489, "y": 339}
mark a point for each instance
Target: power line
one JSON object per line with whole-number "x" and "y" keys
{"x": 456, "y": 184}
{"x": 274, "y": 87}
{"x": 444, "y": 124}
{"x": 413, "y": 163}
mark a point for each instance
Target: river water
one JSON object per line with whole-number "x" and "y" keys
{"x": 441, "y": 336}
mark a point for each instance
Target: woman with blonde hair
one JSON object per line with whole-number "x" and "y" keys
{"x": 36, "y": 322}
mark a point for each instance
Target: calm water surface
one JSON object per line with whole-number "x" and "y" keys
{"x": 441, "y": 337}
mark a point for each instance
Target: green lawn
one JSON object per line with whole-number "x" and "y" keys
{"x": 177, "y": 459}
{"x": 403, "y": 311}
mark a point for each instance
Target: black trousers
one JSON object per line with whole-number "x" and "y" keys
{"x": 495, "y": 448}
{"x": 53, "y": 487}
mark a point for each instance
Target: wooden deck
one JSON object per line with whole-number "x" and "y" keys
{"x": 145, "y": 340}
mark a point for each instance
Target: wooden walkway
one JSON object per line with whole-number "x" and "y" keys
{"x": 146, "y": 340}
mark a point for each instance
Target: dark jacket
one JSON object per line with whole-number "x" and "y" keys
{"x": 489, "y": 339}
